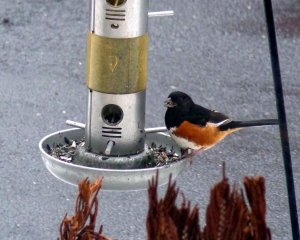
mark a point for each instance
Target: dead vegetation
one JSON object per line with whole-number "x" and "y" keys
{"x": 232, "y": 213}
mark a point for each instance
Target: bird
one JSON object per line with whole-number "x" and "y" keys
{"x": 195, "y": 128}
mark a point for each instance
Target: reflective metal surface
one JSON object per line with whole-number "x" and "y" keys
{"x": 108, "y": 148}
{"x": 104, "y": 125}
{"x": 161, "y": 14}
{"x": 147, "y": 130}
{"x": 88, "y": 159}
{"x": 114, "y": 179}
{"x": 75, "y": 124}
{"x": 116, "y": 65}
{"x": 156, "y": 129}
{"x": 127, "y": 20}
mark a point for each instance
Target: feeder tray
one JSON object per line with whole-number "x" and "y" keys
{"x": 114, "y": 179}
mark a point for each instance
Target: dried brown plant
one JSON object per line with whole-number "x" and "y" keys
{"x": 226, "y": 213}
{"x": 165, "y": 221}
{"x": 255, "y": 191}
{"x": 229, "y": 216}
{"x": 82, "y": 225}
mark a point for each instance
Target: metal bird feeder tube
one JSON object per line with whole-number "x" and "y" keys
{"x": 116, "y": 77}
{"x": 116, "y": 142}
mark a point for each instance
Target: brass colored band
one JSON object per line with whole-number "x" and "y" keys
{"x": 117, "y": 66}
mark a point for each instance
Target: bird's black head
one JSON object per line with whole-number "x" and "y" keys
{"x": 178, "y": 106}
{"x": 178, "y": 100}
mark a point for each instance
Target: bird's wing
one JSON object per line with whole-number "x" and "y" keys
{"x": 218, "y": 118}
{"x": 201, "y": 116}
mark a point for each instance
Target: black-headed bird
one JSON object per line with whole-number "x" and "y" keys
{"x": 197, "y": 128}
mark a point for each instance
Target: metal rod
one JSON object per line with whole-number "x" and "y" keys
{"x": 161, "y": 14}
{"x": 75, "y": 124}
{"x": 282, "y": 119}
{"x": 109, "y": 147}
{"x": 92, "y": 16}
{"x": 156, "y": 129}
{"x": 147, "y": 130}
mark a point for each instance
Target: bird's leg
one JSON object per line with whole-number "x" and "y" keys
{"x": 195, "y": 152}
{"x": 184, "y": 152}
{"x": 190, "y": 153}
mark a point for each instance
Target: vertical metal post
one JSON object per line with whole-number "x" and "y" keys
{"x": 282, "y": 119}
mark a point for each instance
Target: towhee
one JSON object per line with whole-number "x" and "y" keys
{"x": 197, "y": 128}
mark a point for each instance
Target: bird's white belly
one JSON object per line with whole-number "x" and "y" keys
{"x": 182, "y": 142}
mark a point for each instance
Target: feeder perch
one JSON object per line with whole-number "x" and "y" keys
{"x": 116, "y": 141}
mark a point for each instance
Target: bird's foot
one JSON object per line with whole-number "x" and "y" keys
{"x": 189, "y": 154}
{"x": 184, "y": 152}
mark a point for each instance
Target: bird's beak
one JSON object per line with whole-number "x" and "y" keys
{"x": 169, "y": 103}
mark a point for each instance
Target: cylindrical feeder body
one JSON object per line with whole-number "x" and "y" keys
{"x": 116, "y": 77}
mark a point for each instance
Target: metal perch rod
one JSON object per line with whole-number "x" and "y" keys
{"x": 147, "y": 130}
{"x": 161, "y": 14}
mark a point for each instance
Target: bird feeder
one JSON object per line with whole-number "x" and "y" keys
{"x": 116, "y": 143}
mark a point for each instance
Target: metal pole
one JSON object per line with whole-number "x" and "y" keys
{"x": 282, "y": 119}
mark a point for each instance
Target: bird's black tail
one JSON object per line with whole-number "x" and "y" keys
{"x": 253, "y": 123}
